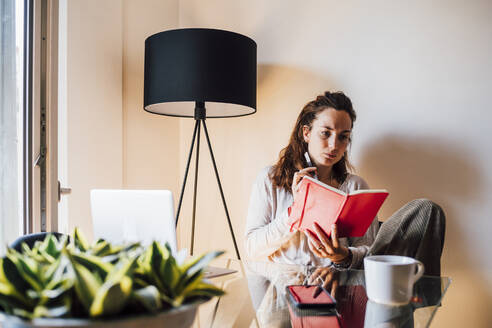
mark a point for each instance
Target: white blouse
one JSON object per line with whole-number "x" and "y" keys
{"x": 268, "y": 234}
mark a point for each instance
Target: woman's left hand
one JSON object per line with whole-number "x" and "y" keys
{"x": 325, "y": 247}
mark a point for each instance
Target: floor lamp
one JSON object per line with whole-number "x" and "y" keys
{"x": 213, "y": 70}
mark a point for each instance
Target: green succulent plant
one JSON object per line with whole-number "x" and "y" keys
{"x": 72, "y": 278}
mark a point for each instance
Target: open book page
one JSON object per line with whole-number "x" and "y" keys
{"x": 354, "y": 192}
{"x": 318, "y": 182}
{"x": 316, "y": 204}
{"x": 368, "y": 191}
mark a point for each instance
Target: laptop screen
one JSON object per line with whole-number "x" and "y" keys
{"x": 133, "y": 215}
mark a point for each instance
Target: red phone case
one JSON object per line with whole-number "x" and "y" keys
{"x": 312, "y": 321}
{"x": 310, "y": 297}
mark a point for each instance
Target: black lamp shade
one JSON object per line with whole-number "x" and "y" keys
{"x": 200, "y": 65}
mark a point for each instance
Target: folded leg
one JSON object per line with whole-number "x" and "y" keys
{"x": 416, "y": 230}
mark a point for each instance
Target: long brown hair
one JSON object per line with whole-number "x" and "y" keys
{"x": 291, "y": 158}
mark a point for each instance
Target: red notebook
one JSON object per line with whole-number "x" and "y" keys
{"x": 318, "y": 202}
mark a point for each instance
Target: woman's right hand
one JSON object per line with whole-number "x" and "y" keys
{"x": 296, "y": 181}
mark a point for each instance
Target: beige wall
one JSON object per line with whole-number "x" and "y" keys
{"x": 150, "y": 142}
{"x": 419, "y": 75}
{"x": 91, "y": 153}
{"x": 109, "y": 141}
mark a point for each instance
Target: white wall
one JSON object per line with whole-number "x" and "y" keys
{"x": 418, "y": 74}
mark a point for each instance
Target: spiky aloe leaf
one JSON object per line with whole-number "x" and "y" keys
{"x": 79, "y": 240}
{"x": 124, "y": 267}
{"x": 48, "y": 271}
{"x": 62, "y": 242}
{"x": 101, "y": 248}
{"x": 86, "y": 284}
{"x": 52, "y": 292}
{"x": 13, "y": 298}
{"x": 186, "y": 284}
{"x": 111, "y": 297}
{"x": 159, "y": 255}
{"x": 9, "y": 274}
{"x": 204, "y": 289}
{"x": 93, "y": 264}
{"x": 116, "y": 249}
{"x": 23, "y": 313}
{"x": 47, "y": 258}
{"x": 58, "y": 271}
{"x": 199, "y": 263}
{"x": 139, "y": 282}
{"x": 50, "y": 247}
{"x": 52, "y": 312}
{"x": 32, "y": 253}
{"x": 27, "y": 268}
{"x": 170, "y": 274}
{"x": 132, "y": 247}
{"x": 149, "y": 297}
{"x": 156, "y": 280}
{"x": 149, "y": 266}
{"x": 143, "y": 262}
{"x": 116, "y": 290}
{"x": 193, "y": 268}
{"x": 57, "y": 287}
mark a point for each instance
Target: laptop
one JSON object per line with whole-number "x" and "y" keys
{"x": 123, "y": 216}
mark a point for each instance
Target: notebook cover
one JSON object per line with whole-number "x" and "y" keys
{"x": 353, "y": 214}
{"x": 358, "y": 213}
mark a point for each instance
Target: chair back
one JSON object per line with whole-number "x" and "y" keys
{"x": 133, "y": 215}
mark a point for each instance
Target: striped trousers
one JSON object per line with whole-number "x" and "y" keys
{"x": 416, "y": 230}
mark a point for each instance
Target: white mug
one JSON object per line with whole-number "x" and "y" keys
{"x": 390, "y": 278}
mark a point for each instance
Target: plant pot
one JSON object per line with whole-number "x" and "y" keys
{"x": 178, "y": 317}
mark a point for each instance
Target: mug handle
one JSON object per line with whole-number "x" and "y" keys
{"x": 420, "y": 271}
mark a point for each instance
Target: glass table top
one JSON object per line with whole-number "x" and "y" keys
{"x": 256, "y": 297}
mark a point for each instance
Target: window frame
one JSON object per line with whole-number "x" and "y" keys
{"x": 27, "y": 118}
{"x": 41, "y": 189}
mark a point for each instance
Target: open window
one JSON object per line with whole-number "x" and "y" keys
{"x": 28, "y": 120}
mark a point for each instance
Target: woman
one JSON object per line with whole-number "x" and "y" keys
{"x": 323, "y": 131}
